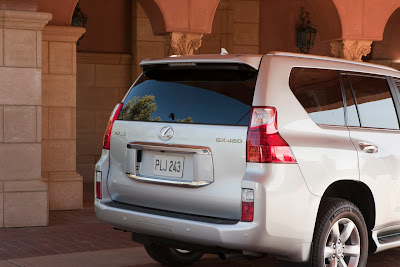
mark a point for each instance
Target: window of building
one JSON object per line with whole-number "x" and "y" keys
{"x": 319, "y": 92}
{"x": 374, "y": 102}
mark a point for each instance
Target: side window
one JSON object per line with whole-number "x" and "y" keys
{"x": 319, "y": 92}
{"x": 374, "y": 102}
{"x": 397, "y": 82}
{"x": 352, "y": 115}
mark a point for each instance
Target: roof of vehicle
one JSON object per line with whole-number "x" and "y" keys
{"x": 333, "y": 59}
{"x": 254, "y": 60}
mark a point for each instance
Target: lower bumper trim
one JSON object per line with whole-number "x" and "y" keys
{"x": 171, "y": 214}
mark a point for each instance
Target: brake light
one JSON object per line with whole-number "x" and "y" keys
{"x": 113, "y": 117}
{"x": 264, "y": 143}
{"x": 247, "y": 205}
{"x": 98, "y": 185}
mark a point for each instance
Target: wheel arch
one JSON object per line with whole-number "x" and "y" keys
{"x": 358, "y": 193}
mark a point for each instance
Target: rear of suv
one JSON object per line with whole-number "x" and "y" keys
{"x": 291, "y": 155}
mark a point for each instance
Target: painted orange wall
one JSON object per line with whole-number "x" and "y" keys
{"x": 108, "y": 27}
{"x": 389, "y": 47}
{"x": 279, "y": 21}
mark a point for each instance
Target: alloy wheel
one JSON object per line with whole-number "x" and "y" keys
{"x": 342, "y": 245}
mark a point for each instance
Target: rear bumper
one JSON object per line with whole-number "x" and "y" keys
{"x": 239, "y": 236}
{"x": 284, "y": 217}
{"x": 190, "y": 231}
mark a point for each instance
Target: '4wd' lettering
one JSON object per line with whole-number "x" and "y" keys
{"x": 225, "y": 140}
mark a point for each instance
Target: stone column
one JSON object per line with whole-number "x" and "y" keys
{"x": 23, "y": 197}
{"x": 181, "y": 43}
{"x": 351, "y": 49}
{"x": 59, "y": 117}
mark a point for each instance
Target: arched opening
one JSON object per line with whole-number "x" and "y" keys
{"x": 193, "y": 16}
{"x": 61, "y": 10}
{"x": 388, "y": 48}
{"x": 279, "y": 20}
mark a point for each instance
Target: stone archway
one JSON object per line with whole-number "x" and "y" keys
{"x": 363, "y": 21}
{"x": 183, "y": 22}
{"x": 61, "y": 10}
{"x": 387, "y": 51}
{"x": 349, "y": 26}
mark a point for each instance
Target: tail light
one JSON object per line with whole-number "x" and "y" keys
{"x": 98, "y": 185}
{"x": 113, "y": 117}
{"x": 264, "y": 143}
{"x": 247, "y": 205}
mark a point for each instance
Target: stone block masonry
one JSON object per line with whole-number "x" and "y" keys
{"x": 59, "y": 117}
{"x": 23, "y": 196}
{"x": 102, "y": 81}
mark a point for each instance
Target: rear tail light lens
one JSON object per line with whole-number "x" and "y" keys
{"x": 264, "y": 143}
{"x": 98, "y": 185}
{"x": 113, "y": 117}
{"x": 247, "y": 205}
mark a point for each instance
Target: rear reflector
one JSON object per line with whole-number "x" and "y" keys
{"x": 264, "y": 143}
{"x": 247, "y": 205}
{"x": 113, "y": 117}
{"x": 98, "y": 185}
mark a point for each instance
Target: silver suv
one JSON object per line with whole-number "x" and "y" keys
{"x": 292, "y": 155}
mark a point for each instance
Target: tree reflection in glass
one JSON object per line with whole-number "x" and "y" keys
{"x": 142, "y": 108}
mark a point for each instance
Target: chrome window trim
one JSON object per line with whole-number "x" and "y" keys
{"x": 357, "y": 127}
{"x": 332, "y": 126}
{"x": 373, "y": 129}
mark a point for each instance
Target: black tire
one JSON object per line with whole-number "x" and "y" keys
{"x": 334, "y": 218}
{"x": 170, "y": 256}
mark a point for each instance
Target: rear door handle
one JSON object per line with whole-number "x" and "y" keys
{"x": 368, "y": 148}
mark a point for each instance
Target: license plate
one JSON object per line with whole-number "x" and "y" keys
{"x": 169, "y": 166}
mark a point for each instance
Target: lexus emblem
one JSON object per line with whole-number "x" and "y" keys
{"x": 166, "y": 133}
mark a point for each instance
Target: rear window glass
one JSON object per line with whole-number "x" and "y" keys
{"x": 320, "y": 94}
{"x": 216, "y": 94}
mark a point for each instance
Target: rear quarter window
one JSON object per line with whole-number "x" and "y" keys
{"x": 374, "y": 102}
{"x": 319, "y": 92}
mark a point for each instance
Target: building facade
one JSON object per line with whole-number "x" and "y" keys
{"x": 56, "y": 95}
